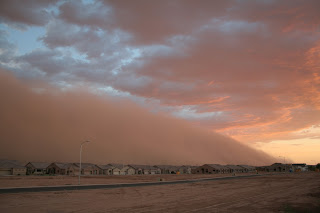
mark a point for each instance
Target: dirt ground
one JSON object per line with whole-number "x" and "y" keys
{"x": 21, "y": 181}
{"x": 298, "y": 192}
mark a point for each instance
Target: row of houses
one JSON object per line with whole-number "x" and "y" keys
{"x": 131, "y": 169}
{"x": 43, "y": 168}
{"x": 217, "y": 168}
{"x": 279, "y": 167}
{"x": 9, "y": 167}
{"x": 37, "y": 168}
{"x": 276, "y": 167}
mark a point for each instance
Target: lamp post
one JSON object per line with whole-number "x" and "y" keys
{"x": 80, "y": 159}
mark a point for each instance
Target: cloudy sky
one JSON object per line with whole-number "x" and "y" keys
{"x": 246, "y": 69}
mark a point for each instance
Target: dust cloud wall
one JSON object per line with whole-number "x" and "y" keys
{"x": 49, "y": 126}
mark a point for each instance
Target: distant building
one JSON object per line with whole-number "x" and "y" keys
{"x": 121, "y": 169}
{"x": 276, "y": 167}
{"x": 62, "y": 169}
{"x": 279, "y": 167}
{"x": 9, "y": 167}
{"x": 247, "y": 168}
{"x": 300, "y": 167}
{"x": 212, "y": 169}
{"x": 106, "y": 169}
{"x": 186, "y": 169}
{"x": 235, "y": 169}
{"x": 168, "y": 169}
{"x": 37, "y": 168}
{"x": 262, "y": 168}
{"x": 116, "y": 168}
{"x": 145, "y": 169}
{"x": 89, "y": 168}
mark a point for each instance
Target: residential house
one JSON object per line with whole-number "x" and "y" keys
{"x": 127, "y": 170}
{"x": 121, "y": 169}
{"x": 235, "y": 169}
{"x": 300, "y": 167}
{"x": 279, "y": 167}
{"x": 262, "y": 168}
{"x": 185, "y": 169}
{"x": 116, "y": 168}
{"x": 62, "y": 169}
{"x": 106, "y": 169}
{"x": 10, "y": 167}
{"x": 145, "y": 169}
{"x": 37, "y": 168}
{"x": 247, "y": 168}
{"x": 168, "y": 169}
{"x": 194, "y": 169}
{"x": 212, "y": 169}
{"x": 89, "y": 169}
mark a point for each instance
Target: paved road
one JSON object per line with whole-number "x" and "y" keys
{"x": 111, "y": 186}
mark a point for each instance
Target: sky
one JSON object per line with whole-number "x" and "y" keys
{"x": 249, "y": 70}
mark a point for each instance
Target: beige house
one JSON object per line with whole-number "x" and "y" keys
{"x": 145, "y": 169}
{"x": 8, "y": 167}
{"x": 168, "y": 169}
{"x": 89, "y": 168}
{"x": 70, "y": 168}
{"x": 62, "y": 169}
{"x": 106, "y": 169}
{"x": 127, "y": 170}
{"x": 116, "y": 171}
{"x": 37, "y": 168}
{"x": 186, "y": 169}
{"x": 121, "y": 169}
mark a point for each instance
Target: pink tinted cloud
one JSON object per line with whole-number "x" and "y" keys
{"x": 282, "y": 16}
{"x": 238, "y": 58}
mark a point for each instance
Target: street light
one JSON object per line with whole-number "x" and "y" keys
{"x": 80, "y": 159}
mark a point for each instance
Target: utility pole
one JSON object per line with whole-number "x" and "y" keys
{"x": 80, "y": 159}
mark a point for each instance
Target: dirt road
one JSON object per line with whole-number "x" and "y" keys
{"x": 278, "y": 193}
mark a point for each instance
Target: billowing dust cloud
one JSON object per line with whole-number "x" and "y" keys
{"x": 50, "y": 126}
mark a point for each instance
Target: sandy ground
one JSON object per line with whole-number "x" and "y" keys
{"x": 21, "y": 181}
{"x": 274, "y": 193}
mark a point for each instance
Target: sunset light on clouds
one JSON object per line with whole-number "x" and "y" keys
{"x": 249, "y": 70}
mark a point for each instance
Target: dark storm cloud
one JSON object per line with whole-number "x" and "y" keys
{"x": 32, "y": 12}
{"x": 253, "y": 64}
